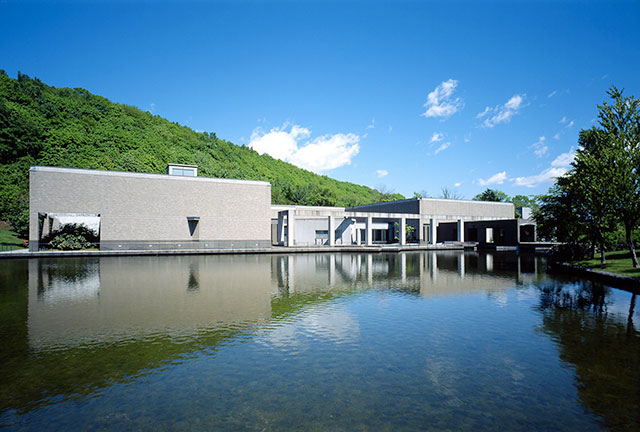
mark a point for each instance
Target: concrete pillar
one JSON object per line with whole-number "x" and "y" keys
{"x": 403, "y": 229}
{"x": 332, "y": 231}
{"x": 369, "y": 230}
{"x": 281, "y": 228}
{"x": 358, "y": 234}
{"x": 291, "y": 228}
{"x": 460, "y": 230}
{"x": 420, "y": 231}
{"x": 433, "y": 231}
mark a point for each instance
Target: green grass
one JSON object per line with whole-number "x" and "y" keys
{"x": 618, "y": 262}
{"x": 8, "y": 236}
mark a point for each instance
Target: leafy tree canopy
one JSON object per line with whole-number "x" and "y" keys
{"x": 492, "y": 195}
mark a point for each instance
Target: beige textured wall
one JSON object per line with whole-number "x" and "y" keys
{"x": 473, "y": 210}
{"x": 153, "y": 207}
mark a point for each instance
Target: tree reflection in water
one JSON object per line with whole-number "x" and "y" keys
{"x": 601, "y": 345}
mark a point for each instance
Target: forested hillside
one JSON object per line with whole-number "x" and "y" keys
{"x": 43, "y": 125}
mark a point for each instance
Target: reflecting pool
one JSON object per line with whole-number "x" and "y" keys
{"x": 408, "y": 341}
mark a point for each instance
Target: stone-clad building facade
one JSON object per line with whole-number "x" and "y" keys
{"x": 152, "y": 211}
{"x": 179, "y": 210}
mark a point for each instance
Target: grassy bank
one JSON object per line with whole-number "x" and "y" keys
{"x": 9, "y": 237}
{"x": 618, "y": 262}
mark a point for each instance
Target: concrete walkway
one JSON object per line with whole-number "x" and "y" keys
{"x": 272, "y": 250}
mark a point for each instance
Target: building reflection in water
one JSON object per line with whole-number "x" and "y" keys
{"x": 115, "y": 308}
{"x": 432, "y": 273}
{"x": 74, "y": 301}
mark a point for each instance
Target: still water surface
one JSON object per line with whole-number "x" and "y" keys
{"x": 409, "y": 341}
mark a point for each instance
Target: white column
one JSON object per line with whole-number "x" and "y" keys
{"x": 403, "y": 266}
{"x": 420, "y": 231}
{"x": 460, "y": 230}
{"x": 358, "y": 235}
{"x": 281, "y": 228}
{"x": 369, "y": 231}
{"x": 433, "y": 231}
{"x": 332, "y": 231}
{"x": 403, "y": 229}
{"x": 291, "y": 228}
{"x": 369, "y": 269}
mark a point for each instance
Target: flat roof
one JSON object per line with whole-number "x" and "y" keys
{"x": 144, "y": 175}
{"x": 431, "y": 199}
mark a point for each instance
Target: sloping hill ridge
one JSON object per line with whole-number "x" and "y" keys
{"x": 44, "y": 125}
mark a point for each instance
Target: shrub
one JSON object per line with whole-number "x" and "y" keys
{"x": 72, "y": 237}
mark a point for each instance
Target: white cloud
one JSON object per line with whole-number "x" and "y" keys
{"x": 502, "y": 113}
{"x": 457, "y": 184}
{"x": 556, "y": 136}
{"x": 382, "y": 173}
{"x": 570, "y": 124}
{"x": 436, "y": 137}
{"x": 497, "y": 178}
{"x": 442, "y": 147}
{"x": 563, "y": 120}
{"x": 565, "y": 159}
{"x": 558, "y": 168}
{"x": 440, "y": 102}
{"x": 539, "y": 147}
{"x": 321, "y": 154}
{"x": 372, "y": 125}
{"x": 552, "y": 94}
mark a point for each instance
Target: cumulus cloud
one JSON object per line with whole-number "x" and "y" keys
{"x": 436, "y": 137}
{"x": 559, "y": 166}
{"x": 382, "y": 173}
{"x": 539, "y": 147}
{"x": 502, "y": 113}
{"x": 565, "y": 159}
{"x": 372, "y": 125}
{"x": 497, "y": 178}
{"x": 458, "y": 184}
{"x": 442, "y": 147}
{"x": 321, "y": 154}
{"x": 440, "y": 102}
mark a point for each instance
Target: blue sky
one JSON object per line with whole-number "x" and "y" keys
{"x": 409, "y": 95}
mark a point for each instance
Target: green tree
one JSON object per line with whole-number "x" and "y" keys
{"x": 555, "y": 216}
{"x": 620, "y": 136}
{"x": 492, "y": 195}
{"x": 590, "y": 182}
